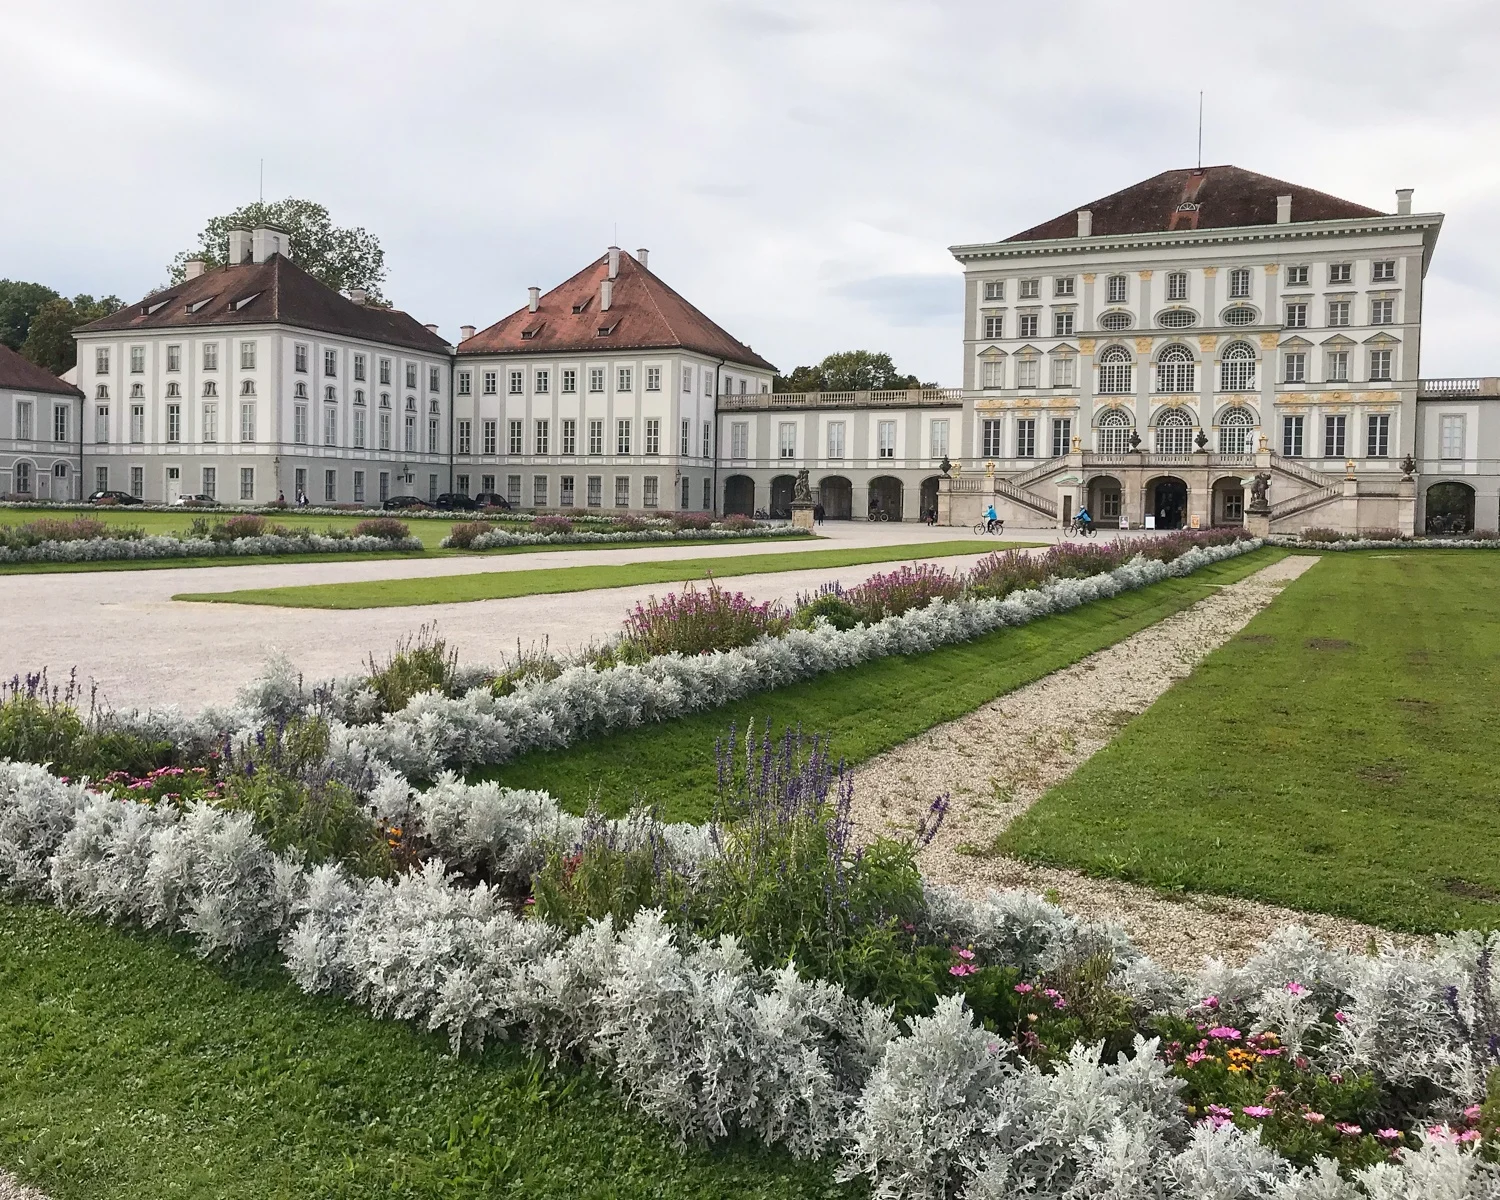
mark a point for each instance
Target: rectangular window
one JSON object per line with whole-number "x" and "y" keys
{"x": 570, "y": 380}
{"x": 359, "y": 429}
{"x": 596, "y": 379}
{"x": 137, "y": 422}
{"x": 1062, "y": 324}
{"x": 517, "y": 382}
{"x": 359, "y": 368}
{"x": 465, "y": 436}
{"x": 569, "y": 436}
{"x": 247, "y": 422}
{"x": 174, "y": 358}
{"x": 1338, "y": 366}
{"x": 411, "y": 375}
{"x": 513, "y": 490}
{"x": 359, "y": 486}
{"x": 937, "y": 441}
{"x": 1027, "y": 324}
{"x": 211, "y": 422}
{"x": 687, "y": 380}
{"x": 542, "y": 436}
{"x": 1115, "y": 290}
{"x": 1383, "y": 270}
{"x": 1063, "y": 285}
{"x": 565, "y": 496}
{"x": 623, "y": 379}
{"x": 385, "y": 370}
{"x": 595, "y": 491}
{"x": 543, "y": 380}
{"x": 138, "y": 481}
{"x": 993, "y": 373}
{"x": 330, "y": 426}
{"x": 1028, "y": 372}
{"x": 434, "y": 440}
{"x": 994, "y": 327}
{"x": 1239, "y": 284}
{"x": 60, "y": 422}
{"x": 653, "y": 435}
{"x": 1378, "y": 436}
{"x": 385, "y": 431}
{"x": 708, "y": 440}
{"x": 653, "y": 379}
{"x": 687, "y": 494}
{"x": 886, "y": 439}
{"x": 101, "y": 479}
{"x": 1451, "y": 435}
{"x": 649, "y": 493}
{"x": 708, "y": 495}
{"x": 211, "y": 482}
{"x": 539, "y": 491}
{"x": 409, "y": 434}
{"x": 490, "y": 382}
{"x": 24, "y": 427}
{"x": 1333, "y": 436}
{"x": 1382, "y": 312}
{"x": 1177, "y": 285}
{"x": 211, "y": 356}
{"x": 1340, "y": 272}
{"x": 994, "y": 289}
{"x": 299, "y": 424}
{"x": 435, "y": 380}
{"x": 685, "y": 438}
{"x": 137, "y": 359}
{"x": 101, "y": 361}
{"x": 1026, "y": 437}
{"x": 835, "y": 439}
{"x": 1062, "y": 436}
{"x": 622, "y": 491}
{"x": 247, "y": 483}
{"x": 739, "y": 439}
{"x": 299, "y": 358}
{"x": 1296, "y": 276}
{"x": 991, "y": 439}
{"x": 1338, "y": 312}
{"x": 1030, "y": 289}
{"x": 491, "y": 431}
{"x": 330, "y": 485}
{"x": 1380, "y": 366}
{"x": 786, "y": 439}
{"x": 465, "y": 383}
{"x": 385, "y": 486}
{"x": 1291, "y": 437}
{"x": 1064, "y": 370}
{"x": 596, "y": 436}
{"x": 1296, "y": 367}
{"x": 432, "y": 489}
{"x": 101, "y": 424}
{"x": 247, "y": 356}
{"x": 514, "y": 432}
{"x": 622, "y": 436}
{"x": 1296, "y": 316}
{"x": 174, "y": 422}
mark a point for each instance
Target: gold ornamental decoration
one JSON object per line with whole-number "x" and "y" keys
{"x": 1268, "y": 341}
{"x": 1143, "y": 345}
{"x": 1085, "y": 345}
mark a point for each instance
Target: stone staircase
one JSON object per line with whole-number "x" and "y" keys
{"x": 1019, "y": 495}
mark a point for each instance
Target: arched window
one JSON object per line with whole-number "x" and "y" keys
{"x": 210, "y": 388}
{"x": 411, "y": 404}
{"x": 359, "y": 397}
{"x": 1115, "y": 371}
{"x": 1175, "y": 370}
{"x": 247, "y": 388}
{"x": 330, "y": 393}
{"x": 385, "y": 400}
{"x": 137, "y": 391}
{"x": 1114, "y": 432}
{"x": 1234, "y": 431}
{"x": 432, "y": 407}
{"x": 1237, "y": 368}
{"x": 1174, "y": 432}
{"x": 102, "y": 391}
{"x": 173, "y": 391}
{"x": 300, "y": 391}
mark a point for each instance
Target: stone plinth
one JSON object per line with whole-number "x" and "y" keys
{"x": 1258, "y": 524}
{"x": 802, "y": 516}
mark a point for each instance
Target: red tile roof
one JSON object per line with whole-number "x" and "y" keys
{"x": 22, "y": 375}
{"x": 1220, "y": 197}
{"x": 644, "y": 314}
{"x": 275, "y": 291}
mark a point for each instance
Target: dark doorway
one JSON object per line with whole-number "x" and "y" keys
{"x": 739, "y": 496}
{"x": 885, "y": 497}
{"x": 1450, "y": 508}
{"x": 1170, "y": 503}
{"x": 836, "y": 495}
{"x": 782, "y": 488}
{"x": 929, "y": 495}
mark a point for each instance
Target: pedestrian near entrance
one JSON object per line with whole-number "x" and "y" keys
{"x": 818, "y": 513}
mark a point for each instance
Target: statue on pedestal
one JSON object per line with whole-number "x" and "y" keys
{"x": 1260, "y": 490}
{"x": 802, "y": 489}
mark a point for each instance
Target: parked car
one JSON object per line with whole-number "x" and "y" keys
{"x": 196, "y": 501}
{"x": 109, "y": 497}
{"x": 491, "y": 500}
{"x": 457, "y": 501}
{"x": 405, "y": 502}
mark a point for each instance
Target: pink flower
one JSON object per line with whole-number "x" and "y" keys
{"x": 1211, "y": 1002}
{"x": 1196, "y": 1057}
{"x": 962, "y": 969}
{"x": 1059, "y": 1003}
{"x": 1472, "y": 1112}
{"x": 966, "y": 955}
{"x": 1050, "y": 993}
{"x": 1388, "y": 1135}
{"x": 1348, "y": 1129}
{"x": 1295, "y": 988}
{"x": 993, "y": 1047}
{"x": 1270, "y": 1051}
{"x": 1313, "y": 1118}
{"x": 1219, "y": 1110}
{"x": 1256, "y": 1110}
{"x": 1340, "y": 1016}
{"x": 1023, "y": 988}
{"x": 1225, "y": 1033}
{"x": 1468, "y": 1135}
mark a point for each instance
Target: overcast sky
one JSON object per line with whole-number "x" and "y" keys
{"x": 797, "y": 169}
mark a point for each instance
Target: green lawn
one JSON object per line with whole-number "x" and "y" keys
{"x": 501, "y": 585}
{"x": 131, "y": 1070}
{"x": 1339, "y": 755}
{"x": 866, "y": 709}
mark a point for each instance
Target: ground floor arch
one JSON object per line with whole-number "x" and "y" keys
{"x": 885, "y": 496}
{"x": 1167, "y": 501}
{"x": 782, "y": 489}
{"x": 836, "y": 495}
{"x": 1228, "y": 501}
{"x": 1450, "y": 507}
{"x": 739, "y": 496}
{"x": 928, "y": 497}
{"x": 1105, "y": 499}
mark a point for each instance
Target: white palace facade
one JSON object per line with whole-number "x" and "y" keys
{"x": 1145, "y": 354}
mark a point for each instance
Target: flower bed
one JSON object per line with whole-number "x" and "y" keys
{"x": 1331, "y": 540}
{"x": 494, "y": 539}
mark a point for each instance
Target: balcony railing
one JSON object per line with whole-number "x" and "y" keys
{"x": 899, "y": 398}
{"x": 1488, "y": 385}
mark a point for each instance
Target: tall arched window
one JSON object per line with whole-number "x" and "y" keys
{"x": 1114, "y": 432}
{"x": 1115, "y": 371}
{"x": 1237, "y": 368}
{"x": 1175, "y": 370}
{"x": 1234, "y": 431}
{"x": 1174, "y": 432}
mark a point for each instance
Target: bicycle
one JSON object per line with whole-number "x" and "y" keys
{"x": 1082, "y": 528}
{"x": 984, "y": 526}
{"x": 879, "y": 514}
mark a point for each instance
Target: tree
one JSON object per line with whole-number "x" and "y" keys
{"x": 341, "y": 258}
{"x": 49, "y": 340}
{"x": 19, "y": 302}
{"x": 849, "y": 371}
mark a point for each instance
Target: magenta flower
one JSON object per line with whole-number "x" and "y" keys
{"x": 1211, "y": 1003}
{"x": 962, "y": 969}
{"x": 1314, "y": 1118}
{"x": 1388, "y": 1135}
{"x": 1023, "y": 988}
{"x": 1196, "y": 1057}
{"x": 1219, "y": 1110}
{"x": 1340, "y": 1016}
{"x": 1348, "y": 1129}
{"x": 1296, "y": 988}
{"x": 966, "y": 955}
{"x": 1472, "y": 1112}
{"x": 1224, "y": 1033}
{"x": 1256, "y": 1110}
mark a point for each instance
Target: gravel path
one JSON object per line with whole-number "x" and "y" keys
{"x": 997, "y": 760}
{"x": 11, "y": 1190}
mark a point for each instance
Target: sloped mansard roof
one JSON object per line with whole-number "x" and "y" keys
{"x": 22, "y": 375}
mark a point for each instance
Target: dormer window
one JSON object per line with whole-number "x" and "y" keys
{"x": 583, "y": 305}
{"x": 606, "y": 330}
{"x": 528, "y": 334}
{"x": 151, "y": 309}
{"x": 244, "y": 301}
{"x": 199, "y": 305}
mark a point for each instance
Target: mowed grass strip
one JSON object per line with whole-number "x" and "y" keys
{"x": 130, "y": 1069}
{"x": 1339, "y": 755}
{"x": 504, "y": 585}
{"x": 866, "y": 710}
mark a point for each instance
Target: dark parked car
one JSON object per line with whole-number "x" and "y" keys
{"x": 406, "y": 502}
{"x": 457, "y": 501}
{"x": 491, "y": 500}
{"x": 107, "y": 498}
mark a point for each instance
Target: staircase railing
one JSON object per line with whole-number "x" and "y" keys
{"x": 1006, "y": 488}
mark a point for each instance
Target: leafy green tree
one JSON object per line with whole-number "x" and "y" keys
{"x": 341, "y": 258}
{"x": 19, "y": 302}
{"x": 849, "y": 371}
{"x": 49, "y": 340}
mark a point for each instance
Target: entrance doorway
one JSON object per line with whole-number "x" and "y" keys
{"x": 1229, "y": 502}
{"x": 885, "y": 496}
{"x": 739, "y": 496}
{"x": 174, "y": 484}
{"x": 1104, "y": 500}
{"x": 929, "y": 495}
{"x": 1450, "y": 508}
{"x": 836, "y": 495}
{"x": 782, "y": 489}
{"x": 1168, "y": 501}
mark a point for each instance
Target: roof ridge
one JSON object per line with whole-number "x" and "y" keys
{"x": 655, "y": 303}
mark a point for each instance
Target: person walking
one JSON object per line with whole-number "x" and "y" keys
{"x": 818, "y": 513}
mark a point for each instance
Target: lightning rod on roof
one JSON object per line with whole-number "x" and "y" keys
{"x": 1200, "y": 131}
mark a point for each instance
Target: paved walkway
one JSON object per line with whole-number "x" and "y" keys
{"x": 123, "y": 630}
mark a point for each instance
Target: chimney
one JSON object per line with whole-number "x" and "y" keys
{"x": 534, "y": 298}
{"x": 359, "y": 295}
{"x": 465, "y": 332}
{"x": 1403, "y": 202}
{"x": 1085, "y": 222}
{"x": 430, "y": 328}
{"x": 193, "y": 268}
{"x": 1283, "y": 210}
{"x": 606, "y": 294}
{"x": 239, "y": 246}
{"x": 266, "y": 240}
{"x": 614, "y": 261}
{"x": 640, "y": 255}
